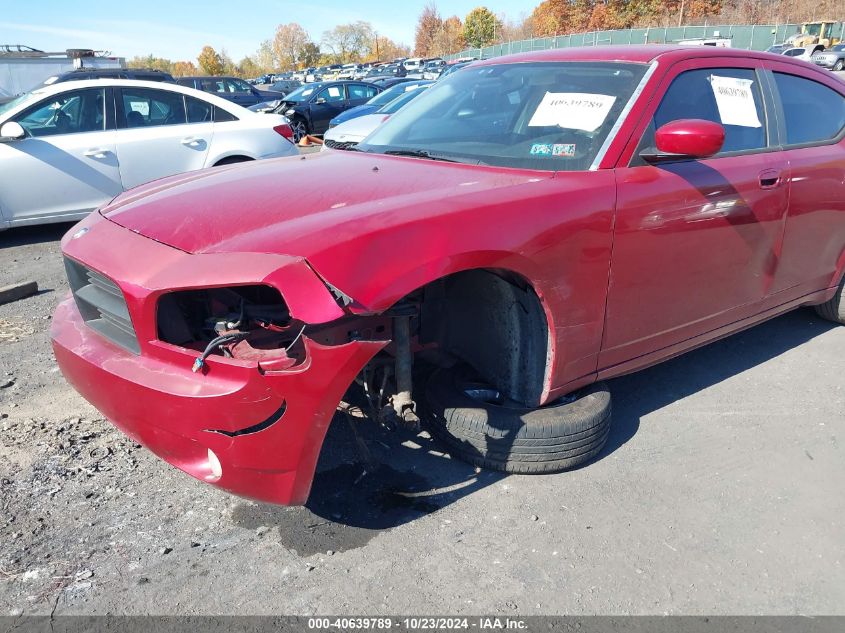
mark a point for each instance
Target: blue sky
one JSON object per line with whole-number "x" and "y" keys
{"x": 178, "y": 29}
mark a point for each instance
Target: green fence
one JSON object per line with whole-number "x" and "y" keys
{"x": 756, "y": 37}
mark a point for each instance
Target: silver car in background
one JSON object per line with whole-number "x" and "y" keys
{"x": 68, "y": 148}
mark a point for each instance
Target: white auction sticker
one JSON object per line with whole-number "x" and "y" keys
{"x": 572, "y": 110}
{"x": 735, "y": 101}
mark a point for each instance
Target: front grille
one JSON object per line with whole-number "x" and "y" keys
{"x": 102, "y": 305}
{"x": 338, "y": 145}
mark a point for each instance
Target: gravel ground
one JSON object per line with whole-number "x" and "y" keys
{"x": 719, "y": 492}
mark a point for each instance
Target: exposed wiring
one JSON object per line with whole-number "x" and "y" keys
{"x": 293, "y": 342}
{"x": 232, "y": 325}
{"x": 215, "y": 343}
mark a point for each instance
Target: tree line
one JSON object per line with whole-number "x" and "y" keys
{"x": 292, "y": 47}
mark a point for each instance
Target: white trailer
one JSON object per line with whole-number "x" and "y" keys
{"x": 22, "y": 67}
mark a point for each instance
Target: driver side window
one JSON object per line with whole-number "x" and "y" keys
{"x": 730, "y": 97}
{"x": 71, "y": 112}
{"x": 331, "y": 94}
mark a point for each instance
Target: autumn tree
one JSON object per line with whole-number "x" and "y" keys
{"x": 308, "y": 55}
{"x": 288, "y": 44}
{"x": 150, "y": 61}
{"x": 183, "y": 69}
{"x": 521, "y": 28}
{"x": 551, "y": 17}
{"x": 265, "y": 57}
{"x": 210, "y": 61}
{"x": 480, "y": 26}
{"x": 429, "y": 25}
{"x": 450, "y": 37}
{"x": 384, "y": 48}
{"x": 349, "y": 42}
{"x": 248, "y": 67}
{"x": 229, "y": 66}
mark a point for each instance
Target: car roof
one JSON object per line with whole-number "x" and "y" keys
{"x": 643, "y": 53}
{"x": 60, "y": 87}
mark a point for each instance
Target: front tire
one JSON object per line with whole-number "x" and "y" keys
{"x": 834, "y": 309}
{"x": 839, "y": 65}
{"x": 478, "y": 427}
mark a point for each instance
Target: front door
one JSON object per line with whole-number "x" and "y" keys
{"x": 327, "y": 104}
{"x": 696, "y": 240}
{"x": 66, "y": 165}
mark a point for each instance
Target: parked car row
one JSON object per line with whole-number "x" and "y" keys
{"x": 832, "y": 58}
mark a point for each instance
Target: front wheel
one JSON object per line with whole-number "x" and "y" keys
{"x": 299, "y": 128}
{"x": 839, "y": 65}
{"x": 479, "y": 426}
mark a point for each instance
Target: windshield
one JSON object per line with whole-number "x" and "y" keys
{"x": 839, "y": 47}
{"x": 401, "y": 100}
{"x": 9, "y": 105}
{"x": 540, "y": 115}
{"x": 813, "y": 29}
{"x": 302, "y": 93}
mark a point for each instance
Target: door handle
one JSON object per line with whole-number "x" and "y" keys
{"x": 769, "y": 179}
{"x": 96, "y": 152}
{"x": 191, "y": 140}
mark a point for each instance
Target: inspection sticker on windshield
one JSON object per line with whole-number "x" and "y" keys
{"x": 572, "y": 110}
{"x": 735, "y": 101}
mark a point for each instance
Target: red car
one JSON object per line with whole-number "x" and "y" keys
{"x": 530, "y": 226}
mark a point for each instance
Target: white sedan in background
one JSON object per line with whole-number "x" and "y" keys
{"x": 68, "y": 148}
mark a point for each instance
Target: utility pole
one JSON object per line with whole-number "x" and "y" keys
{"x": 377, "y": 55}
{"x": 681, "y": 15}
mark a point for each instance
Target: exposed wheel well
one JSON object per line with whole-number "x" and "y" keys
{"x": 230, "y": 160}
{"x": 493, "y": 320}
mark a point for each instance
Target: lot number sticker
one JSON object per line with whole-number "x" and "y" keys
{"x": 735, "y": 101}
{"x": 572, "y": 110}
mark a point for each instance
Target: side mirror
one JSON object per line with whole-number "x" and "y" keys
{"x": 11, "y": 131}
{"x": 320, "y": 100}
{"x": 686, "y": 138}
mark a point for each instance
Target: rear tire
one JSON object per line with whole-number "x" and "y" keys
{"x": 834, "y": 310}
{"x": 557, "y": 437}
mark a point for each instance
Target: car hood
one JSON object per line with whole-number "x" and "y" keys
{"x": 305, "y": 206}
{"x": 356, "y": 129}
{"x": 351, "y": 113}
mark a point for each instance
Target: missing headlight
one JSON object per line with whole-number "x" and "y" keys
{"x": 250, "y": 323}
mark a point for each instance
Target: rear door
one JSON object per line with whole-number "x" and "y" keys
{"x": 158, "y": 135}
{"x": 813, "y": 133}
{"x": 67, "y": 164}
{"x": 696, "y": 241}
{"x": 359, "y": 94}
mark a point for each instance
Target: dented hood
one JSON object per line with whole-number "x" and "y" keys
{"x": 299, "y": 205}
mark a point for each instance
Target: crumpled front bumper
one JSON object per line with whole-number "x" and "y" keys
{"x": 256, "y": 434}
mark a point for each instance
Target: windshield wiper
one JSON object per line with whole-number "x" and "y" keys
{"x": 419, "y": 153}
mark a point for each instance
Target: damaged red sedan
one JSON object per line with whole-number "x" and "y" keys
{"x": 530, "y": 226}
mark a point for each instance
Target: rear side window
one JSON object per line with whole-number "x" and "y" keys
{"x": 221, "y": 115}
{"x": 728, "y": 96}
{"x": 185, "y": 82}
{"x": 144, "y": 107}
{"x": 357, "y": 91}
{"x": 198, "y": 111}
{"x": 813, "y": 112}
